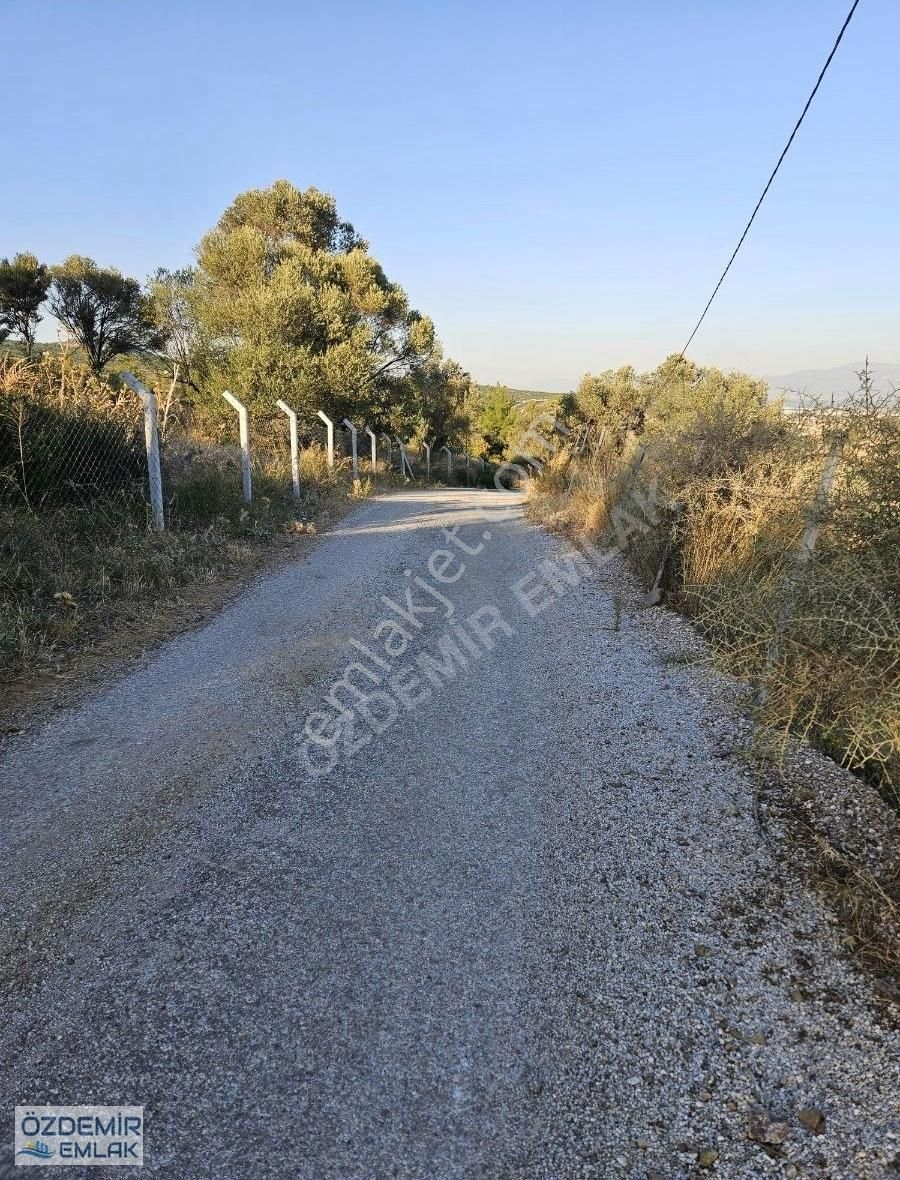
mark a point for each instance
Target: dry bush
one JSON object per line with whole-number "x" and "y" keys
{"x": 739, "y": 483}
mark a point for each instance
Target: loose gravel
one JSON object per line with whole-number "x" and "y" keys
{"x": 534, "y": 929}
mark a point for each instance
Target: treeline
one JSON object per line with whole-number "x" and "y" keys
{"x": 285, "y": 301}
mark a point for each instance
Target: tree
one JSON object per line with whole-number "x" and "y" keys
{"x": 493, "y": 423}
{"x": 23, "y": 288}
{"x": 680, "y": 392}
{"x": 171, "y": 307}
{"x": 290, "y": 304}
{"x": 105, "y": 312}
{"x": 613, "y": 403}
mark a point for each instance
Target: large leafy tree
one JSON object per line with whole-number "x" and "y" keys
{"x": 106, "y": 312}
{"x": 23, "y": 288}
{"x": 291, "y": 304}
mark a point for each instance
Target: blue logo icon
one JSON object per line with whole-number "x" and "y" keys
{"x": 38, "y": 1149}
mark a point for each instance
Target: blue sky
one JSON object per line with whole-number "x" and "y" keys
{"x": 559, "y": 186}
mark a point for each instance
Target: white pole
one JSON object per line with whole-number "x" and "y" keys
{"x": 387, "y": 439}
{"x": 427, "y": 449}
{"x": 404, "y": 462}
{"x": 244, "y": 427}
{"x": 151, "y": 441}
{"x": 352, "y": 430}
{"x": 449, "y": 463}
{"x": 371, "y": 434}
{"x": 330, "y": 426}
{"x": 295, "y": 460}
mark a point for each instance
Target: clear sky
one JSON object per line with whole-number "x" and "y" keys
{"x": 558, "y": 185}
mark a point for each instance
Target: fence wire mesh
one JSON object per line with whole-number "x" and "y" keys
{"x": 82, "y": 446}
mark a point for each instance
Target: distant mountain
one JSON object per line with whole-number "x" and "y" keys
{"x": 822, "y": 383}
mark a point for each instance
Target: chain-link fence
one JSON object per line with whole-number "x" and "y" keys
{"x": 52, "y": 455}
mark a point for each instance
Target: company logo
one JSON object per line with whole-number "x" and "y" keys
{"x": 38, "y": 1149}
{"x": 54, "y": 1136}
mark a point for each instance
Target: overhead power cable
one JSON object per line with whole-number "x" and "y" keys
{"x": 772, "y": 177}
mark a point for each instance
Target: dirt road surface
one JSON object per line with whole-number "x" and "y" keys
{"x": 516, "y": 919}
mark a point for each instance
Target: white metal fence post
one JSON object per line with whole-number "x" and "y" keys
{"x": 330, "y": 426}
{"x": 427, "y": 449}
{"x": 295, "y": 459}
{"x": 151, "y": 440}
{"x": 244, "y": 427}
{"x": 449, "y": 463}
{"x": 355, "y": 459}
{"x": 374, "y": 441}
{"x": 387, "y": 439}
{"x": 404, "y": 461}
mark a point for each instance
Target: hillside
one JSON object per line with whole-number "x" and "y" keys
{"x": 822, "y": 383}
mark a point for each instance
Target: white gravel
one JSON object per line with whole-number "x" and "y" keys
{"x": 533, "y": 930}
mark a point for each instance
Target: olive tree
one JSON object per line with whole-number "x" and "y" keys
{"x": 105, "y": 312}
{"x": 23, "y": 288}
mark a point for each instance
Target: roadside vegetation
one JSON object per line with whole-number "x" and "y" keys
{"x": 738, "y": 477}
{"x": 79, "y": 560}
{"x": 285, "y": 300}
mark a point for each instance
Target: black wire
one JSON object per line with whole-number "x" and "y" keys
{"x": 772, "y": 177}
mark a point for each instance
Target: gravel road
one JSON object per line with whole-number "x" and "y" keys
{"x": 529, "y": 929}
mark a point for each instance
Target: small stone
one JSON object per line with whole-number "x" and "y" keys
{"x": 633, "y": 1081}
{"x": 758, "y": 1038}
{"x": 704, "y": 1095}
{"x": 643, "y": 1144}
{"x": 702, "y": 951}
{"x": 762, "y": 1129}
{"x": 812, "y": 1119}
{"x": 707, "y": 1157}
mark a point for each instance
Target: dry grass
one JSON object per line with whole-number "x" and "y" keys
{"x": 739, "y": 492}
{"x": 78, "y": 561}
{"x": 869, "y": 907}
